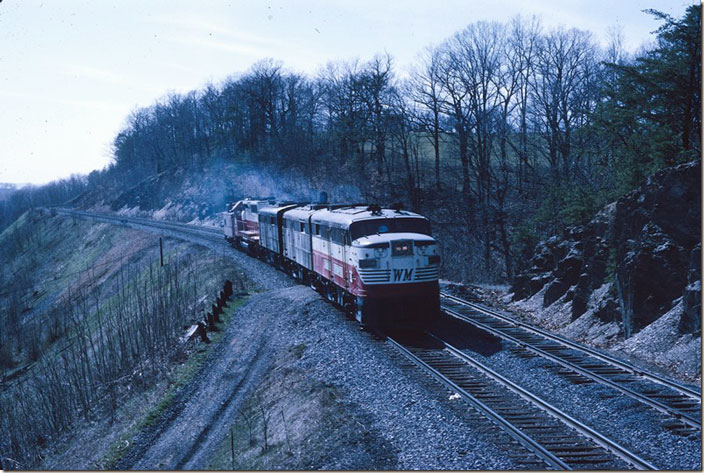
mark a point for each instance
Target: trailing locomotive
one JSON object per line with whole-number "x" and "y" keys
{"x": 381, "y": 265}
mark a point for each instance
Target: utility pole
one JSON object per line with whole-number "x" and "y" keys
{"x": 161, "y": 251}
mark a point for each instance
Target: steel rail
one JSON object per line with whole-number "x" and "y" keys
{"x": 686, "y": 419}
{"x": 576, "y": 346}
{"x": 144, "y": 221}
{"x": 596, "y": 437}
{"x": 212, "y": 233}
{"x": 515, "y": 433}
{"x": 201, "y": 231}
{"x": 495, "y": 417}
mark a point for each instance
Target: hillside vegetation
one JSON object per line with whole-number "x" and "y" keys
{"x": 503, "y": 134}
{"x": 90, "y": 321}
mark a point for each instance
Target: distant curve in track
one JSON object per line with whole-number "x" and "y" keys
{"x": 685, "y": 396}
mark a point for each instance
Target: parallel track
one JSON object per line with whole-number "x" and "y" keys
{"x": 208, "y": 233}
{"x": 551, "y": 438}
{"x": 588, "y": 365}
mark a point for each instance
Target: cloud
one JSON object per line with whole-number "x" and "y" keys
{"x": 203, "y": 27}
{"x": 232, "y": 47}
{"x": 90, "y": 72}
{"x": 195, "y": 32}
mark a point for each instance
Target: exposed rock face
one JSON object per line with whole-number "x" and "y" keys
{"x": 651, "y": 275}
{"x": 647, "y": 243}
{"x": 691, "y": 321}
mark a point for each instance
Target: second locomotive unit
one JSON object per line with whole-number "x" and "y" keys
{"x": 379, "y": 264}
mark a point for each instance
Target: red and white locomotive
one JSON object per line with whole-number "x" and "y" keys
{"x": 379, "y": 264}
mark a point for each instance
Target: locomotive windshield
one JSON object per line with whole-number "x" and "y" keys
{"x": 389, "y": 225}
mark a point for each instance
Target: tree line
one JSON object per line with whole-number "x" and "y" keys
{"x": 501, "y": 134}
{"x": 27, "y": 197}
{"x": 507, "y": 129}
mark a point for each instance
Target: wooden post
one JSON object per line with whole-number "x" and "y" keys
{"x": 161, "y": 251}
{"x": 232, "y": 447}
{"x": 202, "y": 333}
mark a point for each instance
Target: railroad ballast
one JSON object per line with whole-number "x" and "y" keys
{"x": 379, "y": 264}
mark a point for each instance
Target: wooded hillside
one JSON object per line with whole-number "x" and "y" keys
{"x": 502, "y": 134}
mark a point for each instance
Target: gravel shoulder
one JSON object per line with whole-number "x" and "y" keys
{"x": 330, "y": 396}
{"x": 195, "y": 420}
{"x": 382, "y": 416}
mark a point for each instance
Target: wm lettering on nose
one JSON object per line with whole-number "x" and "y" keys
{"x": 403, "y": 274}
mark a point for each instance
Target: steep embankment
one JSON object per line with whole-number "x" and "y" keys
{"x": 90, "y": 328}
{"x": 630, "y": 280}
{"x": 301, "y": 386}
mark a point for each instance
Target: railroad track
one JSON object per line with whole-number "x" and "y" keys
{"x": 550, "y": 438}
{"x": 197, "y": 230}
{"x": 581, "y": 364}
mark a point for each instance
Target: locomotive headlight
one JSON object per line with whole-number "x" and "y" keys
{"x": 379, "y": 252}
{"x": 368, "y": 263}
{"x": 424, "y": 247}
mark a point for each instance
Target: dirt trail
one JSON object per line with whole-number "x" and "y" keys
{"x": 204, "y": 410}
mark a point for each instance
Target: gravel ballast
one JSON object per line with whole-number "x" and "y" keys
{"x": 404, "y": 414}
{"x": 410, "y": 419}
{"x": 425, "y": 429}
{"x": 618, "y": 417}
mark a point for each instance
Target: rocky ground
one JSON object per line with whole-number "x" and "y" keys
{"x": 333, "y": 397}
{"x": 630, "y": 280}
{"x": 294, "y": 384}
{"x": 620, "y": 418}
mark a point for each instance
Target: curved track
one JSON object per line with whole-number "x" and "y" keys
{"x": 209, "y": 233}
{"x": 584, "y": 364}
{"x": 549, "y": 437}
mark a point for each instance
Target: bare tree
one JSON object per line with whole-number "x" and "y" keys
{"x": 563, "y": 95}
{"x": 428, "y": 92}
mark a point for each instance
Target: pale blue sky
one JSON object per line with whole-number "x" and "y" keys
{"x": 71, "y": 70}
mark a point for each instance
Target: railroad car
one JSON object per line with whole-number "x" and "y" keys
{"x": 381, "y": 265}
{"x": 271, "y": 237}
{"x": 241, "y": 223}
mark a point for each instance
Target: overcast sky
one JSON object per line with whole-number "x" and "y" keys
{"x": 71, "y": 71}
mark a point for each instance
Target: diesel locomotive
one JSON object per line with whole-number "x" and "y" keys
{"x": 381, "y": 265}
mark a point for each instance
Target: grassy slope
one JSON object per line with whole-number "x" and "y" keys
{"x": 57, "y": 255}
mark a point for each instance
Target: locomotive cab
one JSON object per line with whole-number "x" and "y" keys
{"x": 397, "y": 282}
{"x": 242, "y": 223}
{"x": 380, "y": 265}
{"x": 396, "y": 257}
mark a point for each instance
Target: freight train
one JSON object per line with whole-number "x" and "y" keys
{"x": 380, "y": 265}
